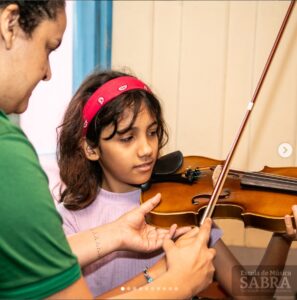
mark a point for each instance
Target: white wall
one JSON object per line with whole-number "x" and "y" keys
{"x": 48, "y": 103}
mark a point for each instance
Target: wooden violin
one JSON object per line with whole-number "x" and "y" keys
{"x": 259, "y": 199}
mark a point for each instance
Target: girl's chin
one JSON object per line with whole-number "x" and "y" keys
{"x": 142, "y": 180}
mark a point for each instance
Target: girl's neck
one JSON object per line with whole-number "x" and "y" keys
{"x": 117, "y": 188}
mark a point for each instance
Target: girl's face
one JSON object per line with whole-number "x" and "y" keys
{"x": 128, "y": 159}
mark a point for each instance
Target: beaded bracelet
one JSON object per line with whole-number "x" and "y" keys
{"x": 147, "y": 276}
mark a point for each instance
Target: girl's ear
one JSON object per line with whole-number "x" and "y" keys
{"x": 9, "y": 24}
{"x": 90, "y": 152}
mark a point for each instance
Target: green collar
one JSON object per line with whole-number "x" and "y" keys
{"x": 3, "y": 114}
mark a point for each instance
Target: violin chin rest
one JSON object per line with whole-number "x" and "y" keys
{"x": 168, "y": 164}
{"x": 165, "y": 165}
{"x": 145, "y": 186}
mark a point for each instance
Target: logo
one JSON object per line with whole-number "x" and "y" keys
{"x": 123, "y": 87}
{"x": 85, "y": 123}
{"x": 100, "y": 100}
{"x": 254, "y": 281}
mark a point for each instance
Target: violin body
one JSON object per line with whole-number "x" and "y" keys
{"x": 257, "y": 206}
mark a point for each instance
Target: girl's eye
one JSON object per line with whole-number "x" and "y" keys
{"x": 126, "y": 139}
{"x": 152, "y": 132}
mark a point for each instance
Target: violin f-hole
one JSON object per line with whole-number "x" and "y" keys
{"x": 224, "y": 195}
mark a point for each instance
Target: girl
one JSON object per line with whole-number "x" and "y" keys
{"x": 110, "y": 139}
{"x": 102, "y": 167}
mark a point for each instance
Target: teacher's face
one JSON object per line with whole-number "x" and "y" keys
{"x": 27, "y": 62}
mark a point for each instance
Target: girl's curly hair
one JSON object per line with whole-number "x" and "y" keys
{"x": 81, "y": 177}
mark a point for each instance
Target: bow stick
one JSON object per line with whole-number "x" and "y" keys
{"x": 223, "y": 175}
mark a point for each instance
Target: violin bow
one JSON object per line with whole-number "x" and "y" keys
{"x": 223, "y": 175}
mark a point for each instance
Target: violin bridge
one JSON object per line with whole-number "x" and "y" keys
{"x": 216, "y": 173}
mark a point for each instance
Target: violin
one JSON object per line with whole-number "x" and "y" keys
{"x": 260, "y": 199}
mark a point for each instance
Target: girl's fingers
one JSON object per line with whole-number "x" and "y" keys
{"x": 294, "y": 208}
{"x": 289, "y": 225}
{"x": 172, "y": 231}
{"x": 150, "y": 204}
{"x": 190, "y": 234}
{"x": 182, "y": 230}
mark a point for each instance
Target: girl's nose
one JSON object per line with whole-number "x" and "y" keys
{"x": 145, "y": 148}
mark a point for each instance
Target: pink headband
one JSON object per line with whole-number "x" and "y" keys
{"x": 107, "y": 92}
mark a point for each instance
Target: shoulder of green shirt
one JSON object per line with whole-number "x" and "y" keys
{"x": 44, "y": 288}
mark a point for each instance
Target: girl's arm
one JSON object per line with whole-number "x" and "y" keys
{"x": 160, "y": 267}
{"x": 155, "y": 271}
{"x": 129, "y": 232}
{"x": 229, "y": 272}
{"x": 189, "y": 269}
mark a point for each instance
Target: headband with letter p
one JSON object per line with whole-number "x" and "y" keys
{"x": 107, "y": 92}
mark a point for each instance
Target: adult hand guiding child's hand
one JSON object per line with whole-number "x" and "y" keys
{"x": 191, "y": 259}
{"x": 135, "y": 234}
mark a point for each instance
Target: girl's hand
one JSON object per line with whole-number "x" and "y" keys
{"x": 135, "y": 234}
{"x": 291, "y": 232}
{"x": 190, "y": 258}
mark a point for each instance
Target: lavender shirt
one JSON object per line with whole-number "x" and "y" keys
{"x": 117, "y": 267}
